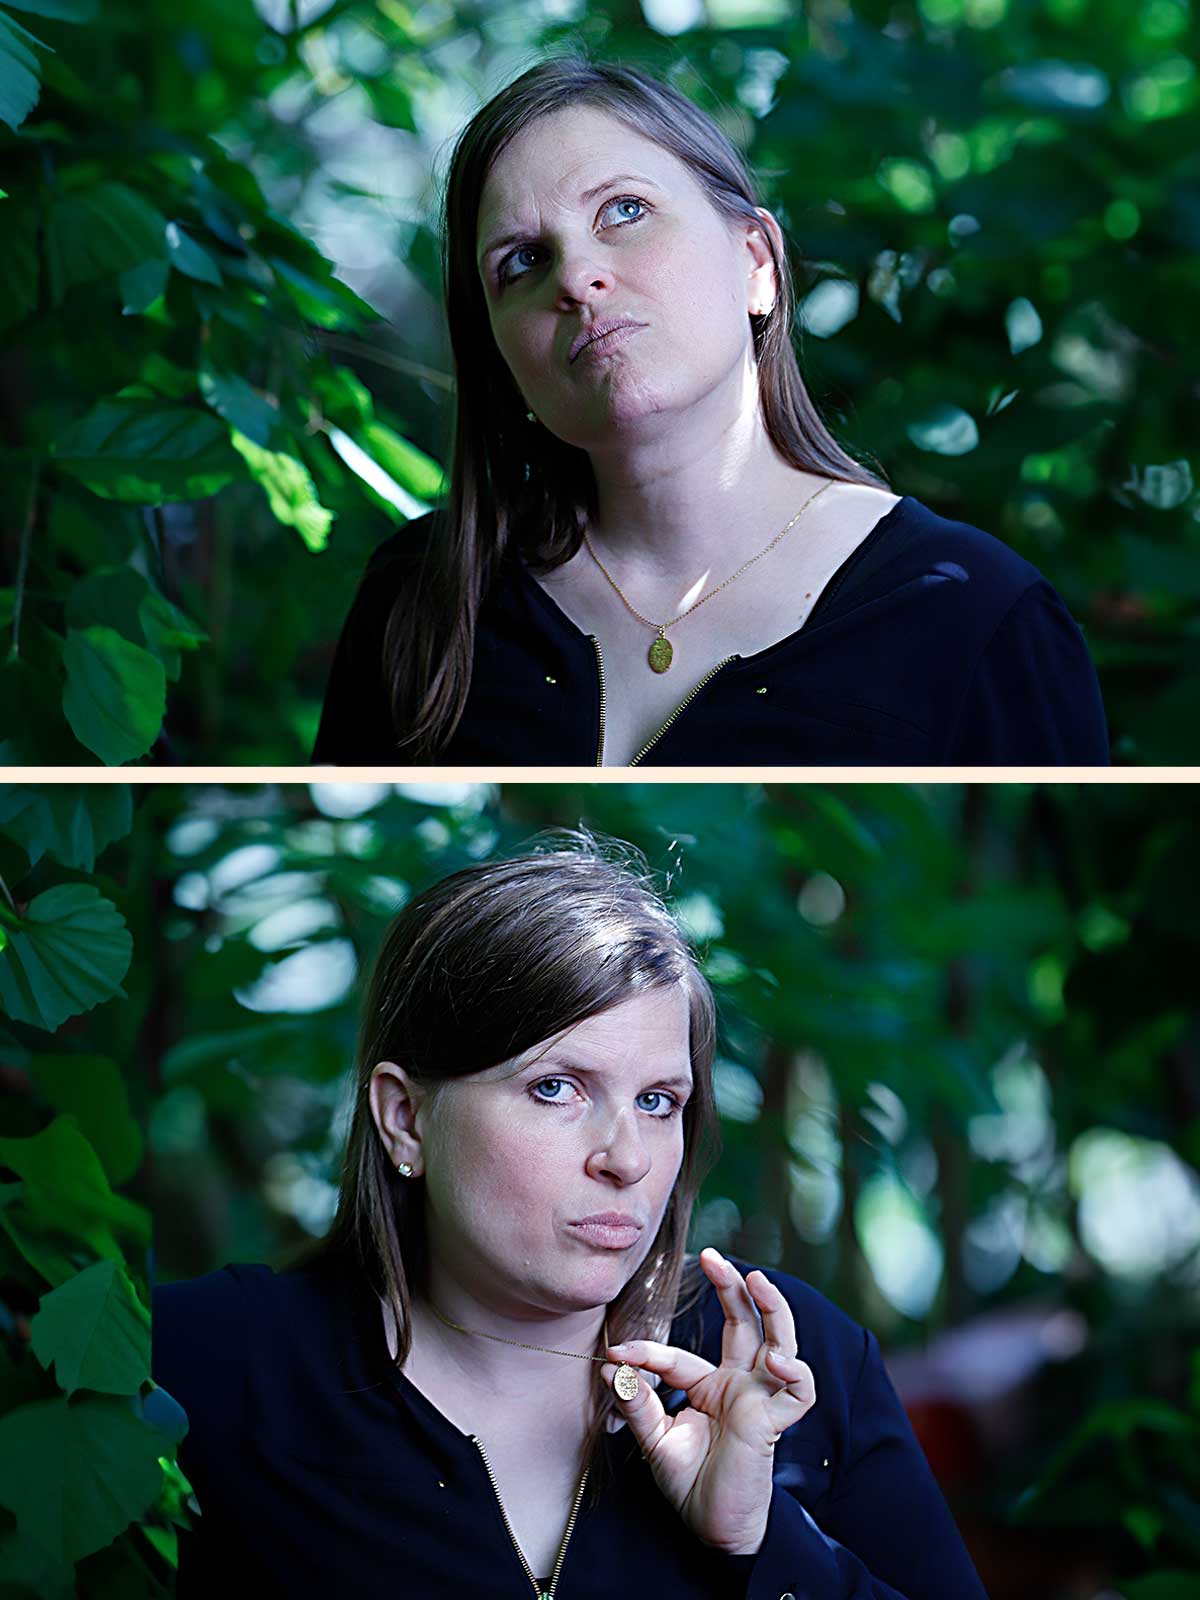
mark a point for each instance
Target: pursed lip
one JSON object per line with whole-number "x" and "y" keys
{"x": 597, "y": 330}
{"x": 611, "y": 1219}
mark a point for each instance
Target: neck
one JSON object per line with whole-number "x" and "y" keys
{"x": 502, "y": 1372}
{"x": 686, "y": 514}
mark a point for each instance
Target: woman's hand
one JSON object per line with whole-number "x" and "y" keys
{"x": 713, "y": 1459}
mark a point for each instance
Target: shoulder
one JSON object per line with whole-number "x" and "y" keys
{"x": 199, "y": 1340}
{"x": 955, "y": 551}
{"x": 406, "y": 549}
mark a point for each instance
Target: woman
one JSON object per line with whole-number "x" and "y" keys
{"x": 395, "y": 1412}
{"x": 653, "y": 549}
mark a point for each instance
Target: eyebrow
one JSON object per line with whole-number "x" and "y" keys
{"x": 588, "y": 194}
{"x": 672, "y": 1081}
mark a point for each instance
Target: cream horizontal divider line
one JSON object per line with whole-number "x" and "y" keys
{"x": 499, "y": 774}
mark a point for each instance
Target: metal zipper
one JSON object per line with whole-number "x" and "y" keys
{"x": 600, "y": 670}
{"x": 681, "y": 707}
{"x": 542, "y": 1594}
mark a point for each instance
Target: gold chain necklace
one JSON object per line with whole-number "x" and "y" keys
{"x": 625, "y": 1382}
{"x": 661, "y": 654}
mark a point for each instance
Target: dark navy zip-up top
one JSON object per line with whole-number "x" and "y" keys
{"x": 933, "y": 643}
{"x": 321, "y": 1470}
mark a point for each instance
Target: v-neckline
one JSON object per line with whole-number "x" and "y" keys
{"x": 825, "y": 599}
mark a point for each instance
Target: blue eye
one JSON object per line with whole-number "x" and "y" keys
{"x": 660, "y": 1116}
{"x": 505, "y": 276}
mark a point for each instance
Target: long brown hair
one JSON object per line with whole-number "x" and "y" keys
{"x": 480, "y": 967}
{"x": 515, "y": 482}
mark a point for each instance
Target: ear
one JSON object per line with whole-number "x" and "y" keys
{"x": 762, "y": 287}
{"x": 395, "y": 1101}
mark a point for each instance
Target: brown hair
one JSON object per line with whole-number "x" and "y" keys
{"x": 480, "y": 967}
{"x": 512, "y": 482}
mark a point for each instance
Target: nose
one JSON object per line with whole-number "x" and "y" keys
{"x": 623, "y": 1150}
{"x": 577, "y": 277}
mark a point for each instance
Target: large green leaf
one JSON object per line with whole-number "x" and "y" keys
{"x": 247, "y": 411}
{"x": 115, "y": 693}
{"x": 92, "y": 1089}
{"x": 66, "y": 954}
{"x": 168, "y": 629}
{"x": 145, "y": 451}
{"x": 20, "y": 83}
{"x": 62, "y": 10}
{"x": 409, "y": 466}
{"x": 98, "y": 232}
{"x": 190, "y": 258}
{"x": 73, "y": 822}
{"x": 95, "y": 1332}
{"x": 65, "y": 1198}
{"x": 121, "y": 598}
{"x": 76, "y": 1475}
{"x": 289, "y": 489}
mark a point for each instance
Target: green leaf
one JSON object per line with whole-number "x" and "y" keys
{"x": 142, "y": 285}
{"x": 100, "y": 232}
{"x": 330, "y": 304}
{"x": 189, "y": 257}
{"x": 109, "y": 596}
{"x": 121, "y": 598}
{"x": 67, "y": 954}
{"x": 115, "y": 694}
{"x": 20, "y": 83}
{"x": 63, "y": 10}
{"x": 77, "y": 1474}
{"x": 66, "y": 1197}
{"x": 289, "y": 489}
{"x": 411, "y": 468}
{"x": 167, "y": 630}
{"x": 147, "y": 452}
{"x": 95, "y": 1332}
{"x": 247, "y": 411}
{"x": 73, "y": 823}
{"x": 946, "y": 431}
{"x": 92, "y": 1090}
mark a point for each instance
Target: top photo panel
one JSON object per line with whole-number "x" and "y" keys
{"x": 678, "y": 384}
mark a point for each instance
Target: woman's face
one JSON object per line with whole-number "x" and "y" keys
{"x": 646, "y": 245}
{"x": 513, "y": 1156}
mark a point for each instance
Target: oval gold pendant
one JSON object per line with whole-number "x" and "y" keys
{"x": 626, "y": 1381}
{"x": 660, "y": 654}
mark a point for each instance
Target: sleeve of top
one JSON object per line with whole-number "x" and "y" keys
{"x": 888, "y": 1533}
{"x": 356, "y": 716}
{"x": 1033, "y": 697}
{"x": 199, "y": 1353}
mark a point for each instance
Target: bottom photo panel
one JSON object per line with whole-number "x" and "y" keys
{"x": 843, "y": 1137}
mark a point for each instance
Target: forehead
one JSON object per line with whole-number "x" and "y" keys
{"x": 648, "y": 1032}
{"x": 564, "y": 152}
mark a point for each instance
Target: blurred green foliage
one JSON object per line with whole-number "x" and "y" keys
{"x": 958, "y": 1073}
{"x": 993, "y": 207}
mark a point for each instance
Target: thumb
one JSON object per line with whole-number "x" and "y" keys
{"x": 644, "y": 1411}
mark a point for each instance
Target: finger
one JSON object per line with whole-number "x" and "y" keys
{"x": 779, "y": 1325}
{"x": 742, "y": 1337}
{"x": 644, "y": 1412}
{"x": 788, "y": 1405}
{"x": 679, "y": 1368}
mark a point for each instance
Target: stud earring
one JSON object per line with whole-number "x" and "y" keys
{"x": 404, "y": 1170}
